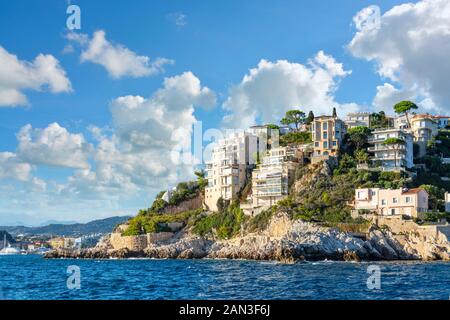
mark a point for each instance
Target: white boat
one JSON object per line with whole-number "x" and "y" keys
{"x": 8, "y": 250}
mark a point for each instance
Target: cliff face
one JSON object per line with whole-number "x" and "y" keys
{"x": 283, "y": 240}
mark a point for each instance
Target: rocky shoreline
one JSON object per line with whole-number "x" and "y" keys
{"x": 284, "y": 240}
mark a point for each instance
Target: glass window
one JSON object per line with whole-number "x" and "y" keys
{"x": 383, "y": 202}
{"x": 334, "y": 143}
{"x": 325, "y": 135}
{"x": 394, "y": 200}
{"x": 408, "y": 199}
{"x": 325, "y": 144}
{"x": 325, "y": 126}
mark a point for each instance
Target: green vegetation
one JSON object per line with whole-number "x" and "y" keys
{"x": 356, "y": 138}
{"x": 224, "y": 224}
{"x": 184, "y": 191}
{"x": 310, "y": 118}
{"x": 295, "y": 117}
{"x": 404, "y": 107}
{"x": 296, "y": 137}
{"x": 379, "y": 121}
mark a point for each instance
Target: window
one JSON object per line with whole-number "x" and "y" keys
{"x": 325, "y": 144}
{"x": 393, "y": 211}
{"x": 325, "y": 126}
{"x": 394, "y": 200}
{"x": 374, "y": 193}
{"x": 325, "y": 135}
{"x": 408, "y": 199}
{"x": 334, "y": 143}
{"x": 383, "y": 202}
{"x": 316, "y": 144}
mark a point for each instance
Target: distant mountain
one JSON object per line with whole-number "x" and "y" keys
{"x": 48, "y": 222}
{"x": 69, "y": 230}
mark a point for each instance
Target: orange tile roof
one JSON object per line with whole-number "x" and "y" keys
{"x": 413, "y": 190}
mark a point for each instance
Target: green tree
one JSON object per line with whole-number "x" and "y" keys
{"x": 435, "y": 195}
{"x": 379, "y": 120}
{"x": 361, "y": 156}
{"x": 395, "y": 144}
{"x": 310, "y": 118}
{"x": 295, "y": 117}
{"x": 404, "y": 107}
{"x": 334, "y": 113}
{"x": 201, "y": 179}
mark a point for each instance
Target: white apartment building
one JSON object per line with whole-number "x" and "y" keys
{"x": 358, "y": 119}
{"x": 447, "y": 201}
{"x": 227, "y": 170}
{"x": 391, "y": 158}
{"x": 401, "y": 122}
{"x": 273, "y": 177}
{"x": 410, "y": 202}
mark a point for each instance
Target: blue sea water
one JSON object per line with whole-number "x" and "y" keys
{"x": 32, "y": 277}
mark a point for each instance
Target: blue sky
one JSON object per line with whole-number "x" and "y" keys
{"x": 218, "y": 42}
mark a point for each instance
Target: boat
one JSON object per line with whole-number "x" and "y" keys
{"x": 7, "y": 249}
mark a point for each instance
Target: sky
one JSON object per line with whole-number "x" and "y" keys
{"x": 95, "y": 121}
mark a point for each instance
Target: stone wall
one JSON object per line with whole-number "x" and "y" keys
{"x": 137, "y": 243}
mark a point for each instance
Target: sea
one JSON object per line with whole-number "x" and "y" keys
{"x": 33, "y": 277}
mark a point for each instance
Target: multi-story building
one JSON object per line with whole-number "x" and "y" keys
{"x": 447, "y": 201}
{"x": 327, "y": 134}
{"x": 443, "y": 121}
{"x": 227, "y": 170}
{"x": 401, "y": 122}
{"x": 391, "y": 157}
{"x": 267, "y": 137}
{"x": 423, "y": 127}
{"x": 358, "y": 119}
{"x": 410, "y": 202}
{"x": 272, "y": 178}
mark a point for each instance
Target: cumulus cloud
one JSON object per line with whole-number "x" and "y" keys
{"x": 269, "y": 90}
{"x": 411, "y": 49}
{"x": 44, "y": 73}
{"x": 118, "y": 60}
{"x": 53, "y": 146}
{"x": 13, "y": 168}
{"x": 150, "y": 147}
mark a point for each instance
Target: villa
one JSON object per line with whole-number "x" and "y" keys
{"x": 391, "y": 158}
{"x": 227, "y": 170}
{"x": 409, "y": 202}
{"x": 327, "y": 135}
{"x": 424, "y": 127}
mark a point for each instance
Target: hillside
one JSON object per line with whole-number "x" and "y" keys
{"x": 76, "y": 229}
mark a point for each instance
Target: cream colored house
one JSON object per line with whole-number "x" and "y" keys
{"x": 386, "y": 202}
{"x": 227, "y": 169}
{"x": 447, "y": 201}
{"x": 327, "y": 135}
{"x": 357, "y": 119}
{"x": 273, "y": 177}
{"x": 391, "y": 158}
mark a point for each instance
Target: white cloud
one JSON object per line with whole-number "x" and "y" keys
{"x": 53, "y": 146}
{"x": 272, "y": 88}
{"x": 178, "y": 18}
{"x": 43, "y": 74}
{"x": 11, "y": 167}
{"x": 151, "y": 145}
{"x": 118, "y": 60}
{"x": 411, "y": 48}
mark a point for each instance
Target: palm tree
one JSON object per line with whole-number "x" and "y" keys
{"x": 396, "y": 144}
{"x": 362, "y": 156}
